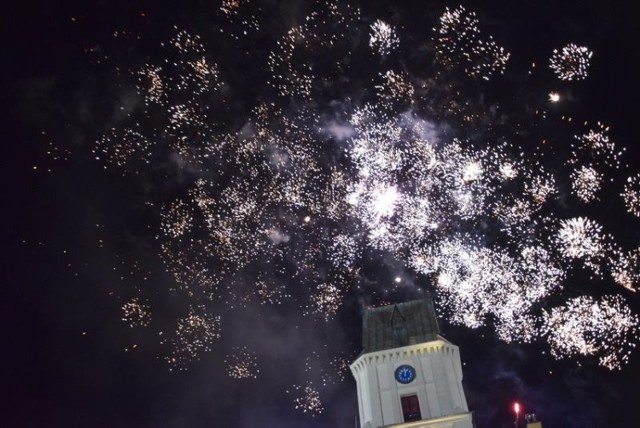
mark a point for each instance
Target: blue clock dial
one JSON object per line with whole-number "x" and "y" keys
{"x": 405, "y": 374}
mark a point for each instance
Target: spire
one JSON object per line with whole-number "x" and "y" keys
{"x": 399, "y": 325}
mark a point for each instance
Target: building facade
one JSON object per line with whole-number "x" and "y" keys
{"x": 408, "y": 375}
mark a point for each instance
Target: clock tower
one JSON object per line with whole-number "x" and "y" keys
{"x": 407, "y": 375}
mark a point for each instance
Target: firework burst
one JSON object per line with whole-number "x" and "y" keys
{"x": 277, "y": 210}
{"x": 571, "y": 62}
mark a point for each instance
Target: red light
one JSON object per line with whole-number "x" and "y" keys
{"x": 516, "y": 408}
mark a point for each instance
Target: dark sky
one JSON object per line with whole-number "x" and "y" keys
{"x": 81, "y": 239}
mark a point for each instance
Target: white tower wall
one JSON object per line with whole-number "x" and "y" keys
{"x": 438, "y": 386}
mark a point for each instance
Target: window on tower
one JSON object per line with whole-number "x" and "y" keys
{"x": 410, "y": 408}
{"x": 399, "y": 330}
{"x": 400, "y": 335}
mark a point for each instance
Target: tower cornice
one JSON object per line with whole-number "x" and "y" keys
{"x": 387, "y": 355}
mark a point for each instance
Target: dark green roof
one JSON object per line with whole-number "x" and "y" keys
{"x": 400, "y": 324}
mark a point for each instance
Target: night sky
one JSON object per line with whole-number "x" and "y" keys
{"x": 103, "y": 212}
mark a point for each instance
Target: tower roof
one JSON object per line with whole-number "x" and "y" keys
{"x": 400, "y": 324}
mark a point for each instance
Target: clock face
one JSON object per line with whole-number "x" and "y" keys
{"x": 405, "y": 374}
